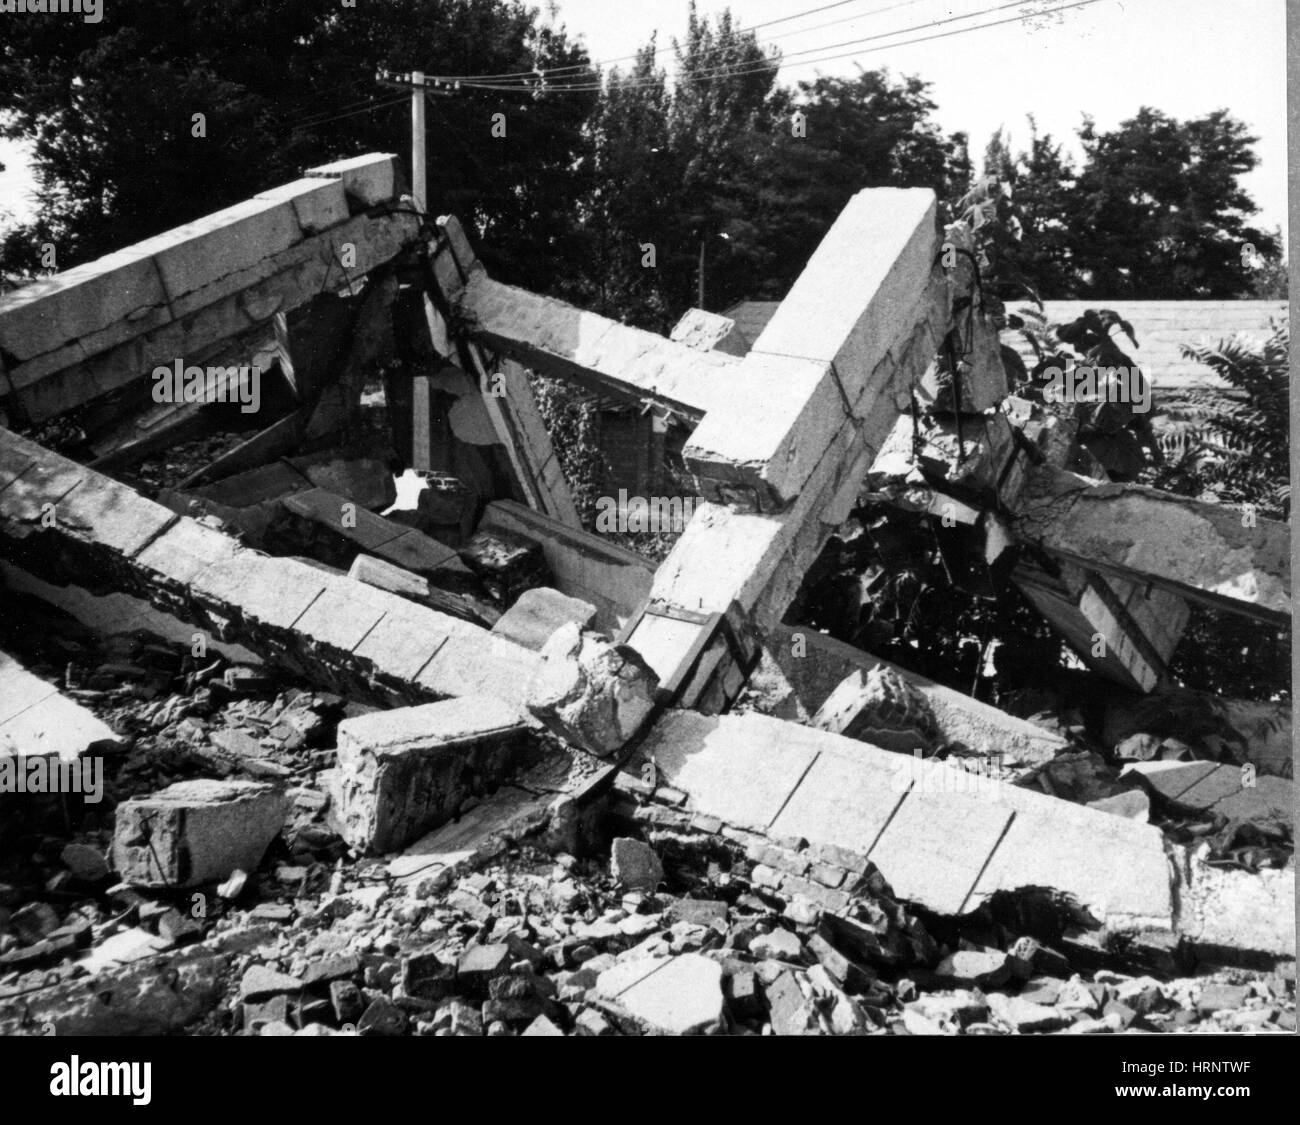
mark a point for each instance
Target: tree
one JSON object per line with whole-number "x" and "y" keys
{"x": 1038, "y": 184}
{"x": 868, "y": 131}
{"x": 119, "y": 154}
{"x": 1161, "y": 214}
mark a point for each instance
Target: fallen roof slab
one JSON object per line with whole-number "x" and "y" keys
{"x": 944, "y": 839}
{"x": 71, "y": 524}
{"x": 1211, "y": 552}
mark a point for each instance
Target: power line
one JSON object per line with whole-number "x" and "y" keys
{"x": 601, "y": 63}
{"x": 354, "y": 113}
{"x": 727, "y": 72}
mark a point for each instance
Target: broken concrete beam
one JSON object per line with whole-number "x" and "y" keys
{"x": 328, "y": 629}
{"x": 943, "y": 838}
{"x": 1209, "y": 552}
{"x": 403, "y": 773}
{"x": 538, "y": 612}
{"x": 196, "y": 832}
{"x": 584, "y": 566}
{"x": 1091, "y": 613}
{"x": 593, "y": 694}
{"x": 709, "y": 332}
{"x": 564, "y": 342}
{"x": 155, "y": 281}
{"x": 367, "y": 180}
{"x": 833, "y": 348}
{"x": 37, "y": 720}
{"x": 802, "y": 668}
{"x": 518, "y": 422}
{"x": 125, "y": 347}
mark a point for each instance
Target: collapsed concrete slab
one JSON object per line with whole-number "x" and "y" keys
{"x": 37, "y": 720}
{"x": 76, "y": 526}
{"x": 403, "y": 773}
{"x": 196, "y": 832}
{"x": 1213, "y": 553}
{"x": 942, "y": 837}
{"x": 100, "y": 326}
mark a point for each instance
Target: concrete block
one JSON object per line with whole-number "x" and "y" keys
{"x": 200, "y": 253}
{"x": 403, "y": 773}
{"x": 590, "y": 692}
{"x": 196, "y": 832}
{"x": 367, "y": 180}
{"x": 538, "y": 612}
{"x": 318, "y": 204}
{"x": 670, "y": 996}
{"x": 933, "y": 850}
{"x": 81, "y": 302}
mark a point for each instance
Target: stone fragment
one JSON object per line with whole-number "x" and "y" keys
{"x": 35, "y": 922}
{"x": 543, "y": 1026}
{"x": 404, "y": 772}
{"x": 779, "y": 945}
{"x": 981, "y": 968}
{"x": 479, "y": 965}
{"x": 196, "y": 832}
{"x": 882, "y": 708}
{"x": 260, "y": 982}
{"x": 635, "y": 864}
{"x": 86, "y": 863}
{"x": 1133, "y": 805}
{"x": 677, "y": 996}
{"x": 590, "y": 692}
{"x": 1023, "y": 1016}
{"x": 346, "y": 1000}
{"x": 790, "y": 1011}
{"x": 382, "y": 1017}
{"x": 538, "y": 612}
{"x": 1221, "y": 997}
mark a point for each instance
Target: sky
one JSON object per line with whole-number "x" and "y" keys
{"x": 1106, "y": 58}
{"x": 1184, "y": 57}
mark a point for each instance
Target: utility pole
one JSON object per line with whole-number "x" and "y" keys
{"x": 419, "y": 87}
{"x": 699, "y": 299}
{"x": 419, "y": 166}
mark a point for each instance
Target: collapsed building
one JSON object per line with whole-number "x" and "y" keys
{"x": 497, "y": 681}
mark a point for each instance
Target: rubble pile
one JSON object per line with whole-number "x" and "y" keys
{"x": 374, "y": 761}
{"x": 688, "y": 938}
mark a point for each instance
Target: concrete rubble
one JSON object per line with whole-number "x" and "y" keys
{"x": 443, "y": 762}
